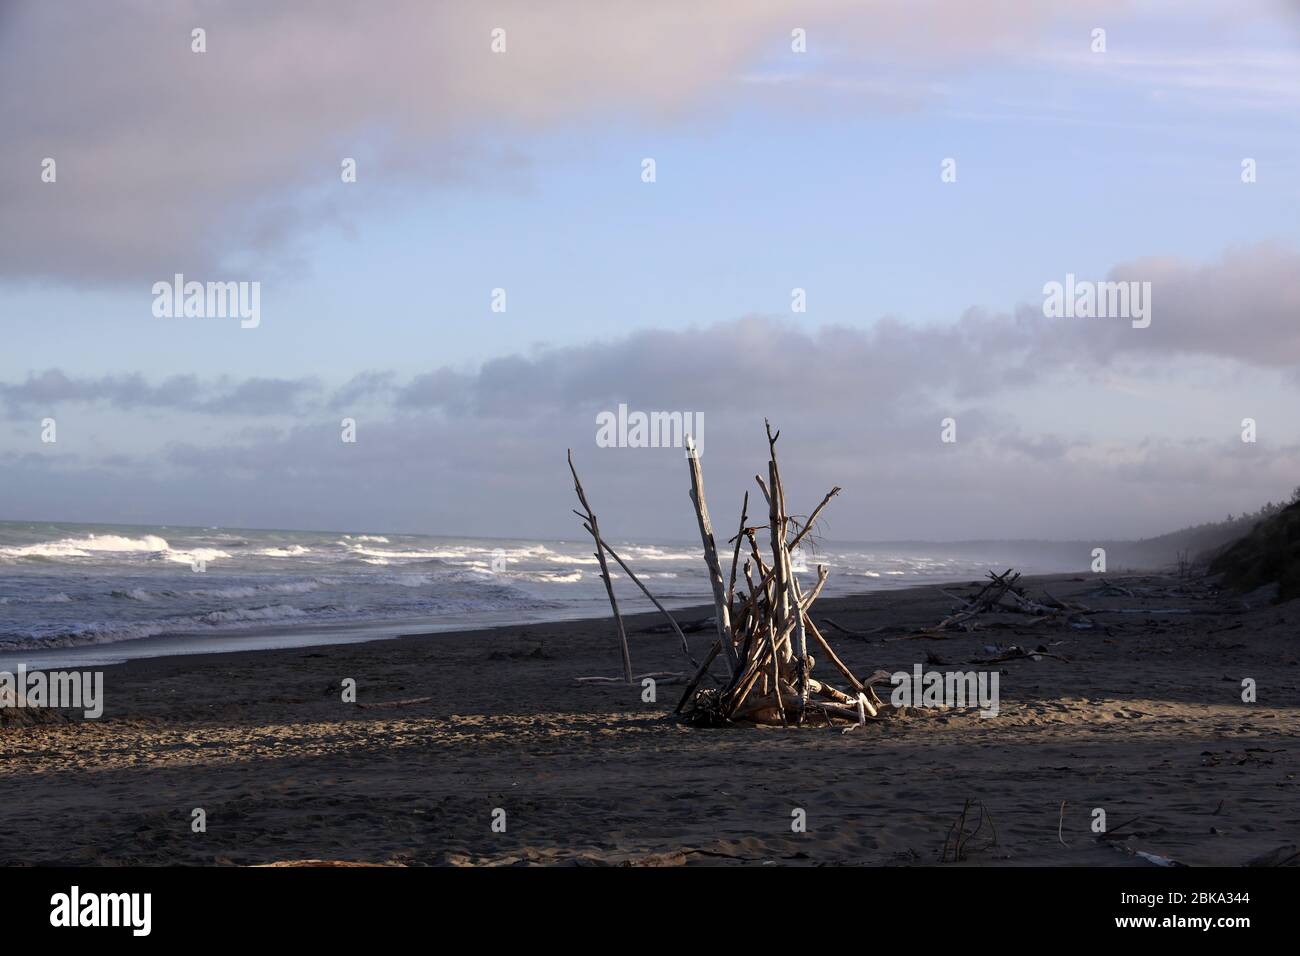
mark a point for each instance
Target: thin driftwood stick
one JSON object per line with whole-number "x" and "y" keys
{"x": 754, "y": 659}
{"x": 764, "y": 573}
{"x": 862, "y": 634}
{"x": 699, "y": 676}
{"x": 813, "y": 517}
{"x": 801, "y": 633}
{"x": 804, "y": 604}
{"x": 750, "y": 679}
{"x": 661, "y": 677}
{"x": 741, "y": 624}
{"x": 776, "y": 680}
{"x": 759, "y": 661}
{"x": 806, "y": 601}
{"x": 404, "y": 702}
{"x": 686, "y": 648}
{"x": 594, "y": 528}
{"x": 800, "y": 639}
{"x": 834, "y": 658}
{"x": 780, "y": 597}
{"x": 784, "y": 584}
{"x": 723, "y": 618}
{"x": 735, "y": 555}
{"x": 755, "y": 593}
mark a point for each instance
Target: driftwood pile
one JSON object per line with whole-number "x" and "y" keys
{"x": 765, "y": 630}
{"x": 1003, "y": 594}
{"x": 765, "y": 636}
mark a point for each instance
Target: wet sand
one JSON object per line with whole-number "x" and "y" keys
{"x": 1139, "y": 715}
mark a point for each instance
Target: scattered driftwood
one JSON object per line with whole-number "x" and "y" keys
{"x": 406, "y": 702}
{"x": 988, "y": 598}
{"x": 1113, "y": 833}
{"x": 1154, "y": 859}
{"x": 690, "y": 627}
{"x": 1003, "y": 594}
{"x": 860, "y": 634}
{"x": 1016, "y": 653}
{"x": 1107, "y": 588}
{"x": 659, "y": 677}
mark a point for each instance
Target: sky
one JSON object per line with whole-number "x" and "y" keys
{"x": 778, "y": 164}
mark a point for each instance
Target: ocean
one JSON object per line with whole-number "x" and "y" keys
{"x": 101, "y": 593}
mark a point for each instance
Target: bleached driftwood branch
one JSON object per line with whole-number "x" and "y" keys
{"x": 594, "y": 528}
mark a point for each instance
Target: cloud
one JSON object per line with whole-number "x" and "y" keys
{"x": 470, "y": 476}
{"x": 185, "y": 393}
{"x": 480, "y": 450}
{"x": 171, "y": 161}
{"x": 1242, "y": 307}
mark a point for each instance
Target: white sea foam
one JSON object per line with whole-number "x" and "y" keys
{"x": 403, "y": 555}
{"x": 548, "y": 577}
{"x": 651, "y": 553}
{"x": 84, "y": 547}
{"x": 70, "y": 584}
{"x": 198, "y": 554}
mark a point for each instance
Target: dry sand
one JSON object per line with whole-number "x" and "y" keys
{"x": 1144, "y": 719}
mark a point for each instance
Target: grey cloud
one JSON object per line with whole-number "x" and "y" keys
{"x": 1241, "y": 308}
{"x": 258, "y": 396}
{"x": 363, "y": 387}
{"x": 184, "y": 393}
{"x": 713, "y": 366}
{"x": 481, "y": 450}
{"x": 1245, "y": 307}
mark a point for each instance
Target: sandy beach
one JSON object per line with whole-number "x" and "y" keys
{"x": 1139, "y": 715}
